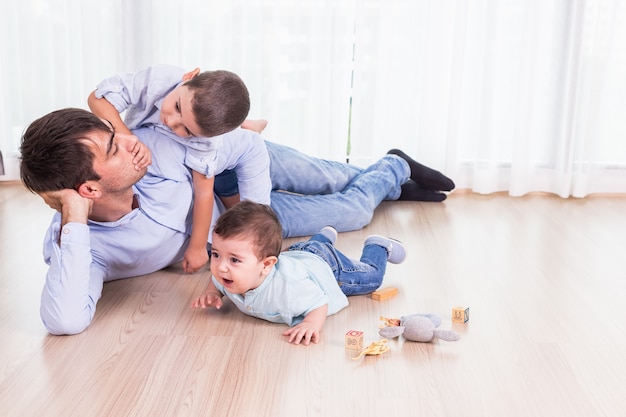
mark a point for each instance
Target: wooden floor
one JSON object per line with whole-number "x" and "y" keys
{"x": 544, "y": 278}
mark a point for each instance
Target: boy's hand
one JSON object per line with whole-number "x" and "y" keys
{"x": 195, "y": 258}
{"x": 304, "y": 333}
{"x": 208, "y": 299}
{"x": 141, "y": 155}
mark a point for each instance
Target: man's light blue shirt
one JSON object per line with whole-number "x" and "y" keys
{"x": 150, "y": 237}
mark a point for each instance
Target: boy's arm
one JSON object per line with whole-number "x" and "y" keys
{"x": 105, "y": 110}
{"x": 196, "y": 254}
{"x": 309, "y": 329}
{"x": 230, "y": 201}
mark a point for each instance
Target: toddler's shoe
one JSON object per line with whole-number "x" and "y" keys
{"x": 395, "y": 249}
{"x": 330, "y": 233}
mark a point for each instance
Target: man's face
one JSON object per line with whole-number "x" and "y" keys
{"x": 177, "y": 113}
{"x": 113, "y": 160}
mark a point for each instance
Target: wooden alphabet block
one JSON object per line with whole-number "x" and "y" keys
{"x": 460, "y": 314}
{"x": 384, "y": 293}
{"x": 354, "y": 340}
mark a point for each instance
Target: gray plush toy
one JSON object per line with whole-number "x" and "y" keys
{"x": 418, "y": 328}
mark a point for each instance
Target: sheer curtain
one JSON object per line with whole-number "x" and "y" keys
{"x": 295, "y": 57}
{"x": 516, "y": 96}
{"x": 53, "y": 53}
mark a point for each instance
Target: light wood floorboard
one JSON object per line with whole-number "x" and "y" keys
{"x": 544, "y": 278}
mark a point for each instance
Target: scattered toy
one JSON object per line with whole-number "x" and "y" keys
{"x": 384, "y": 293}
{"x": 354, "y": 340}
{"x": 375, "y": 348}
{"x": 417, "y": 328}
{"x": 460, "y": 314}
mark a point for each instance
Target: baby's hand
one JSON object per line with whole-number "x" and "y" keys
{"x": 303, "y": 332}
{"x": 208, "y": 299}
{"x": 141, "y": 156}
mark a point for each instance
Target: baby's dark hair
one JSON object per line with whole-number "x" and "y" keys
{"x": 255, "y": 221}
{"x": 220, "y": 101}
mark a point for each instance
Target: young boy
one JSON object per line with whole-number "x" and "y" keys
{"x": 193, "y": 112}
{"x": 297, "y": 287}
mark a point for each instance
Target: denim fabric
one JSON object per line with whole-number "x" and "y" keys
{"x": 225, "y": 184}
{"x": 297, "y": 172}
{"x": 350, "y": 209}
{"x": 353, "y": 277}
{"x": 310, "y": 193}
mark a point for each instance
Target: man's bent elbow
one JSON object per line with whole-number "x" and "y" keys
{"x": 59, "y": 326}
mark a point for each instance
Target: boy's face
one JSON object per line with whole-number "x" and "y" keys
{"x": 177, "y": 113}
{"x": 234, "y": 264}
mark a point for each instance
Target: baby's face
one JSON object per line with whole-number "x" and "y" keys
{"x": 177, "y": 113}
{"x": 234, "y": 264}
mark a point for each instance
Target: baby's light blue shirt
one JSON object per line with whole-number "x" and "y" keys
{"x": 299, "y": 283}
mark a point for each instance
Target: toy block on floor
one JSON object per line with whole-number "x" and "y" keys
{"x": 384, "y": 294}
{"x": 460, "y": 314}
{"x": 354, "y": 340}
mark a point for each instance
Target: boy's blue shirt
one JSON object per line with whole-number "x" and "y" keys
{"x": 140, "y": 96}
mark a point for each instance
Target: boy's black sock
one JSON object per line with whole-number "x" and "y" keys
{"x": 428, "y": 178}
{"x": 411, "y": 191}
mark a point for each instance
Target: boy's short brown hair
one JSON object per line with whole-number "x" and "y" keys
{"x": 221, "y": 101}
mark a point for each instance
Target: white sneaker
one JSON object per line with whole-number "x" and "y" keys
{"x": 395, "y": 249}
{"x": 330, "y": 233}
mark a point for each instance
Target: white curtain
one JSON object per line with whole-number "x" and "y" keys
{"x": 516, "y": 95}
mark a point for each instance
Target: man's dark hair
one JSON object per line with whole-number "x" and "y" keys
{"x": 53, "y": 156}
{"x": 220, "y": 101}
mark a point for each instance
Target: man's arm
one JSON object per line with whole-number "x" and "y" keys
{"x": 67, "y": 301}
{"x": 73, "y": 284}
{"x": 196, "y": 255}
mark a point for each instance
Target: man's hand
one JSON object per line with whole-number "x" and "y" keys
{"x": 72, "y": 206}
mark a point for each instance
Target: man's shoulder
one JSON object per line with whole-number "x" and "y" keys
{"x": 168, "y": 156}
